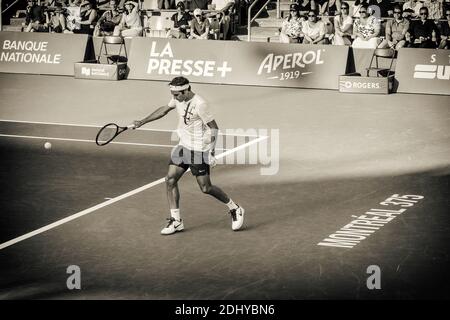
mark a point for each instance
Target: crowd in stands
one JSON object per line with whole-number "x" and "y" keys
{"x": 193, "y": 19}
{"x": 372, "y": 23}
{"x": 365, "y": 24}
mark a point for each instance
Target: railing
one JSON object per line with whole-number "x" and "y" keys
{"x": 250, "y": 19}
{"x": 6, "y": 9}
{"x": 8, "y": 6}
{"x": 278, "y": 10}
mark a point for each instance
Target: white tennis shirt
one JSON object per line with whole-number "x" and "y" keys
{"x": 193, "y": 116}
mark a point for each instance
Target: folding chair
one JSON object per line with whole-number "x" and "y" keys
{"x": 378, "y": 53}
{"x": 113, "y": 58}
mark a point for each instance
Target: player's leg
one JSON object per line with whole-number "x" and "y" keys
{"x": 236, "y": 212}
{"x": 175, "y": 223}
{"x": 173, "y": 194}
{"x": 177, "y": 167}
{"x": 204, "y": 182}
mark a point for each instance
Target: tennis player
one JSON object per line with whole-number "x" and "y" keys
{"x": 197, "y": 132}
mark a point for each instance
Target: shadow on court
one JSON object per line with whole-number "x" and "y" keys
{"x": 122, "y": 255}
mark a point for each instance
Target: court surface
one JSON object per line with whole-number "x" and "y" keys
{"x": 340, "y": 156}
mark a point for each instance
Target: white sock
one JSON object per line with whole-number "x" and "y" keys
{"x": 175, "y": 213}
{"x": 231, "y": 205}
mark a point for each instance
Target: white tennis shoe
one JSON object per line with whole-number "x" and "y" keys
{"x": 173, "y": 226}
{"x": 237, "y": 218}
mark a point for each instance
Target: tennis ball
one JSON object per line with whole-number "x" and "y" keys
{"x": 47, "y": 145}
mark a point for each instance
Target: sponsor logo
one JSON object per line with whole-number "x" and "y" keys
{"x": 162, "y": 62}
{"x": 86, "y": 71}
{"x": 122, "y": 71}
{"x": 273, "y": 63}
{"x": 95, "y": 71}
{"x": 27, "y": 52}
{"x": 431, "y": 71}
{"x": 359, "y": 85}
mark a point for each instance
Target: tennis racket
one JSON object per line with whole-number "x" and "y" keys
{"x": 109, "y": 132}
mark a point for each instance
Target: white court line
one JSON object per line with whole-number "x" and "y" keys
{"x": 98, "y": 126}
{"x": 111, "y": 201}
{"x": 92, "y": 141}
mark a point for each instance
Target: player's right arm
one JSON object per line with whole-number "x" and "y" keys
{"x": 155, "y": 115}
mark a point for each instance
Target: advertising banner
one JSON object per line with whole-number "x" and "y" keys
{"x": 359, "y": 84}
{"x": 235, "y": 62}
{"x": 41, "y": 53}
{"x": 100, "y": 71}
{"x": 423, "y": 71}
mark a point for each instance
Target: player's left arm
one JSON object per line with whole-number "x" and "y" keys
{"x": 214, "y": 129}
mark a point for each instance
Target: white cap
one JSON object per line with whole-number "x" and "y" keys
{"x": 197, "y": 12}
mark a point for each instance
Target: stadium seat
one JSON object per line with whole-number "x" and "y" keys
{"x": 378, "y": 53}
{"x": 113, "y": 58}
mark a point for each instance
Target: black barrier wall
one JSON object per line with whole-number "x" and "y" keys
{"x": 41, "y": 53}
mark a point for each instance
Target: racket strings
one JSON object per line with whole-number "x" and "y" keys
{"x": 107, "y": 134}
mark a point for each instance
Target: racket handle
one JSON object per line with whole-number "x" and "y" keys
{"x": 131, "y": 126}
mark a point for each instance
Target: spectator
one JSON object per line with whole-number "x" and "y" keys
{"x": 291, "y": 29}
{"x": 329, "y": 7}
{"x": 445, "y": 31}
{"x": 88, "y": 17}
{"x": 109, "y": 20}
{"x": 435, "y": 11}
{"x": 305, "y": 6}
{"x": 199, "y": 26}
{"x": 343, "y": 25}
{"x": 423, "y": 33}
{"x": 409, "y": 14}
{"x": 73, "y": 15}
{"x": 215, "y": 24}
{"x": 57, "y": 21}
{"x": 321, "y": 7}
{"x": 166, "y": 4}
{"x": 395, "y": 35}
{"x": 411, "y": 4}
{"x": 313, "y": 30}
{"x": 225, "y": 7}
{"x": 180, "y": 22}
{"x": 35, "y": 19}
{"x": 75, "y": 3}
{"x": 197, "y": 4}
{"x": 357, "y": 5}
{"x": 49, "y": 3}
{"x": 366, "y": 30}
{"x": 381, "y": 8}
{"x": 130, "y": 25}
